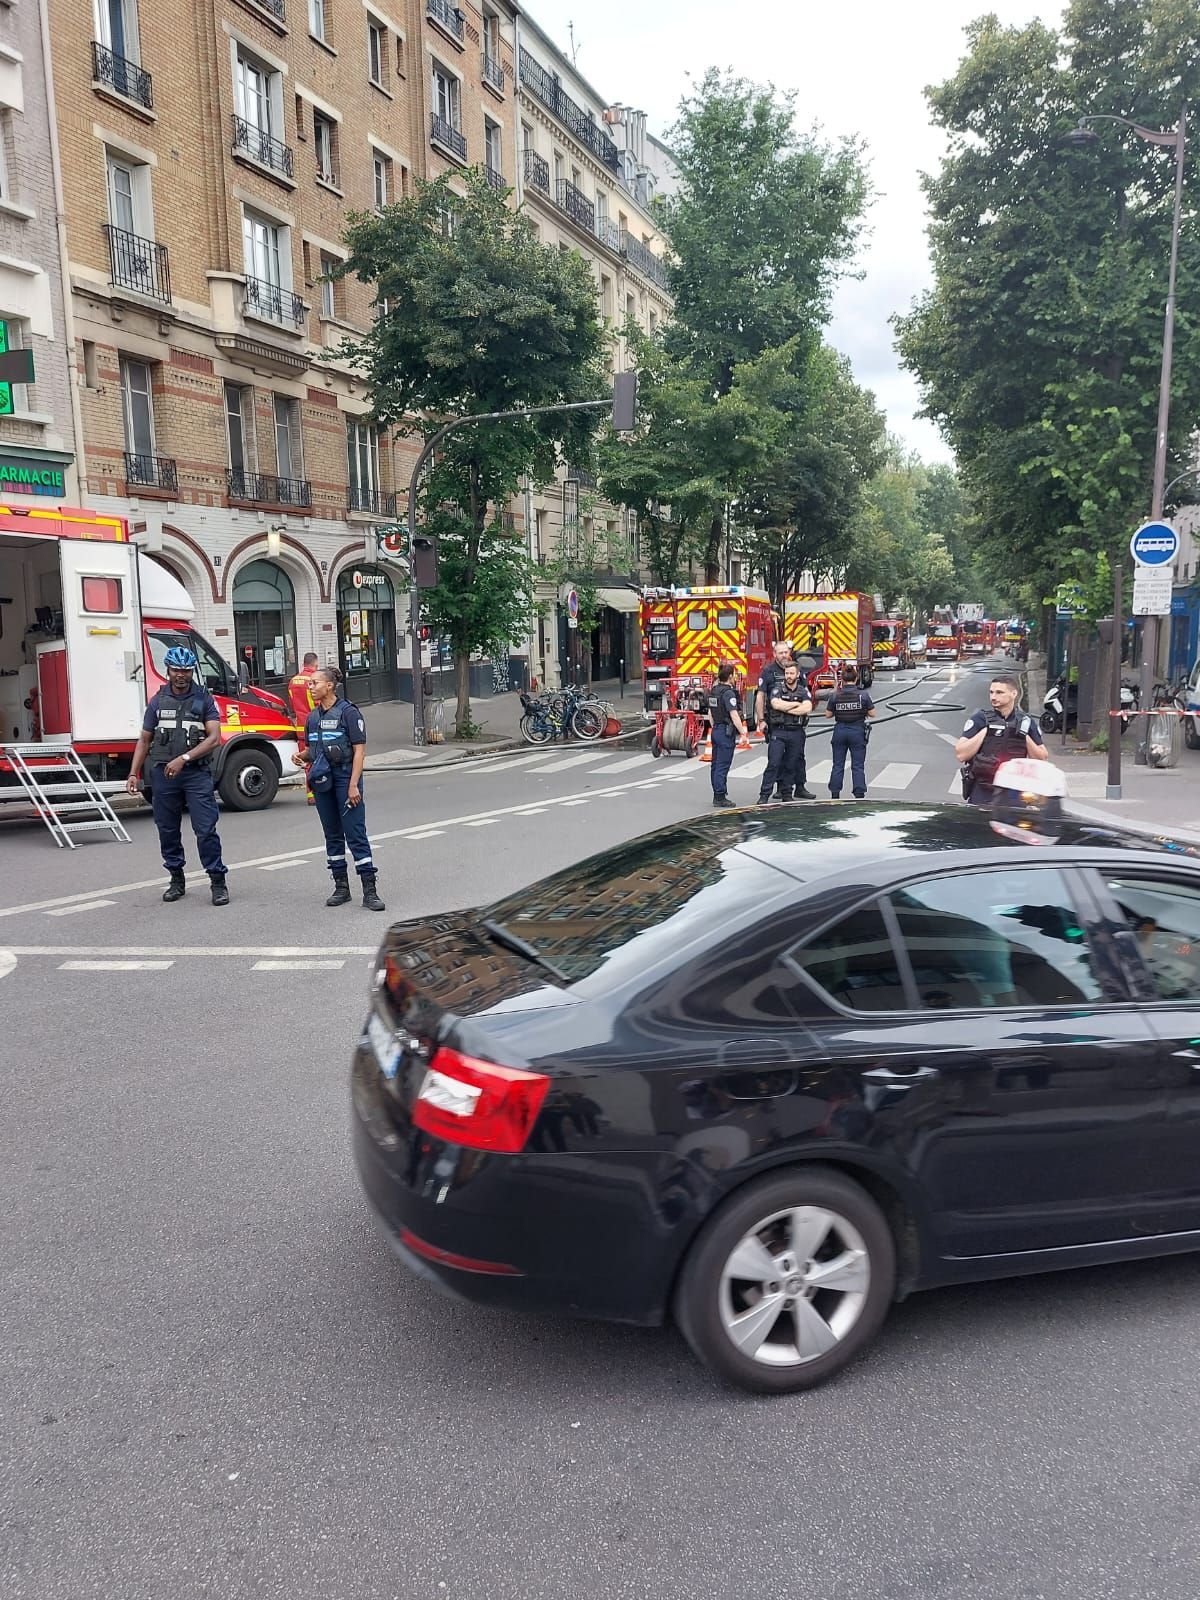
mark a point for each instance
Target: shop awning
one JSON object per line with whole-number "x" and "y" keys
{"x": 619, "y": 599}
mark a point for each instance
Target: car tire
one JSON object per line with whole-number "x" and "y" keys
{"x": 1190, "y": 736}
{"x": 249, "y": 781}
{"x": 815, "y": 1331}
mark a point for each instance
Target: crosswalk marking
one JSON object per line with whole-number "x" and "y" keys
{"x": 523, "y": 761}
{"x": 819, "y": 772}
{"x": 90, "y": 905}
{"x": 630, "y": 762}
{"x": 480, "y": 822}
{"x": 896, "y": 775}
{"x": 924, "y": 722}
{"x": 574, "y": 802}
{"x": 114, "y": 966}
{"x": 955, "y": 786}
{"x": 563, "y": 762}
{"x": 278, "y": 866}
{"x": 751, "y": 768}
{"x": 428, "y": 833}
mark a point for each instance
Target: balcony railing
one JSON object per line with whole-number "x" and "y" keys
{"x": 493, "y": 71}
{"x": 382, "y": 502}
{"x": 640, "y": 255}
{"x": 608, "y": 234}
{"x": 262, "y": 146}
{"x": 573, "y": 117}
{"x": 266, "y": 299}
{"x": 140, "y": 264}
{"x": 577, "y": 205}
{"x": 497, "y": 179}
{"x": 445, "y": 134}
{"x": 122, "y": 75}
{"x": 151, "y": 472}
{"x": 446, "y": 16}
{"x": 537, "y": 171}
{"x": 275, "y": 7}
{"x": 581, "y": 476}
{"x": 265, "y": 489}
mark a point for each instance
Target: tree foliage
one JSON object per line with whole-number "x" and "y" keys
{"x": 474, "y": 316}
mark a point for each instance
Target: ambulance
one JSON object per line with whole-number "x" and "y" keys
{"x": 830, "y": 631}
{"x": 85, "y": 622}
{"x": 690, "y": 631}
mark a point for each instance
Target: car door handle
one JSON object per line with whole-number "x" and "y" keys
{"x": 897, "y": 1078}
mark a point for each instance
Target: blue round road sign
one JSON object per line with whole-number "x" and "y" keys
{"x": 1155, "y": 544}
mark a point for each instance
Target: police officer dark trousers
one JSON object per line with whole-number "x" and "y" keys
{"x": 850, "y": 707}
{"x": 181, "y": 726}
{"x": 335, "y": 749}
{"x": 727, "y": 725}
{"x": 789, "y": 711}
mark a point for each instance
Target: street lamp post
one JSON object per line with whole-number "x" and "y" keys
{"x": 1174, "y": 137}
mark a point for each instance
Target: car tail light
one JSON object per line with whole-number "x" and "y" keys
{"x": 478, "y": 1103}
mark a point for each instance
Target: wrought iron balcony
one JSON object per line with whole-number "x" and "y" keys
{"x": 275, "y": 7}
{"x": 581, "y": 476}
{"x": 537, "y": 171}
{"x": 265, "y": 299}
{"x": 151, "y": 472}
{"x": 446, "y": 16}
{"x": 493, "y": 71}
{"x": 262, "y": 146}
{"x": 135, "y": 263}
{"x": 497, "y": 179}
{"x": 640, "y": 255}
{"x": 448, "y": 137}
{"x": 122, "y": 75}
{"x": 577, "y": 205}
{"x": 382, "y": 502}
{"x": 608, "y": 234}
{"x": 572, "y": 116}
{"x": 263, "y": 488}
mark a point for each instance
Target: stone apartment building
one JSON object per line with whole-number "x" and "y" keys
{"x": 587, "y": 176}
{"x": 210, "y": 153}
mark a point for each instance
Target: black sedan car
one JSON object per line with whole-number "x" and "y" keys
{"x": 769, "y": 1071}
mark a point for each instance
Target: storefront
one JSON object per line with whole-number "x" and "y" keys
{"x": 264, "y": 623}
{"x": 366, "y": 625}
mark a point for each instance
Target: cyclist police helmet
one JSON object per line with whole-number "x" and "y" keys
{"x": 180, "y": 659}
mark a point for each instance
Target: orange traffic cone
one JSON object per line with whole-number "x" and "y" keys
{"x": 706, "y": 749}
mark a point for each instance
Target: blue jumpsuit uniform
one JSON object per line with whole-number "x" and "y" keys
{"x": 723, "y": 703}
{"x": 176, "y": 724}
{"x": 849, "y": 706}
{"x": 786, "y": 739}
{"x": 333, "y": 734}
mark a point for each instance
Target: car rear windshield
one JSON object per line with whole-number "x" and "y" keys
{"x": 624, "y": 910}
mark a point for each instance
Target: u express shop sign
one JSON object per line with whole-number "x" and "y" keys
{"x": 41, "y": 472}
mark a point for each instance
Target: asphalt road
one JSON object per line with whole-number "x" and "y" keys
{"x": 215, "y": 1381}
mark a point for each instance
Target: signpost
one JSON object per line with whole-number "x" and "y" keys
{"x": 573, "y": 609}
{"x": 1153, "y": 547}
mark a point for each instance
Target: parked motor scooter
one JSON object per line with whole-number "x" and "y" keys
{"x": 1063, "y": 699}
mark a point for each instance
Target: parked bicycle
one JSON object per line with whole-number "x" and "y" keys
{"x": 562, "y": 715}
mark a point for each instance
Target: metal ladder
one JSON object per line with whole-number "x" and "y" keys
{"x": 53, "y": 800}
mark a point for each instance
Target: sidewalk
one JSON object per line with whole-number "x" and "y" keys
{"x": 390, "y": 728}
{"x": 1154, "y": 800}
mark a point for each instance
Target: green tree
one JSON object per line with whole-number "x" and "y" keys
{"x": 474, "y": 316}
{"x": 1038, "y": 346}
{"x": 762, "y": 223}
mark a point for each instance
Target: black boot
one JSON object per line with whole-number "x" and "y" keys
{"x": 220, "y": 894}
{"x": 371, "y": 900}
{"x": 176, "y": 889}
{"x": 341, "y": 890}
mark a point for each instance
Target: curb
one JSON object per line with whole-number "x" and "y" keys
{"x": 1130, "y": 825}
{"x": 507, "y": 747}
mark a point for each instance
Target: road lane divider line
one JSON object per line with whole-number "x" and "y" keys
{"x": 88, "y": 905}
{"x": 297, "y": 966}
{"x": 183, "y": 952}
{"x": 279, "y": 866}
{"x": 115, "y": 966}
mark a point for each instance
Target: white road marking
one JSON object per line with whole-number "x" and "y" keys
{"x": 88, "y": 905}
{"x": 955, "y": 786}
{"x": 278, "y": 866}
{"x": 181, "y": 952}
{"x": 574, "y": 802}
{"x": 7, "y": 962}
{"x": 479, "y": 822}
{"x": 923, "y": 722}
{"x": 533, "y": 811}
{"x": 297, "y": 966}
{"x": 751, "y": 768}
{"x": 114, "y": 966}
{"x": 950, "y": 738}
{"x": 896, "y": 775}
{"x": 428, "y": 833}
{"x": 820, "y": 772}
{"x": 563, "y": 762}
{"x": 517, "y": 761}
{"x": 630, "y": 762}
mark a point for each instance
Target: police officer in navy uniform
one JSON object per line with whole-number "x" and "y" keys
{"x": 335, "y": 749}
{"x": 789, "y": 709}
{"x": 181, "y": 728}
{"x": 768, "y": 682}
{"x": 850, "y": 707}
{"x": 727, "y": 728}
{"x": 1002, "y": 733}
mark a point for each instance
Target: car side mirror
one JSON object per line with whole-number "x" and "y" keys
{"x": 243, "y": 675}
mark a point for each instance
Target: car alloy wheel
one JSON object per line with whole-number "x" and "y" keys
{"x": 790, "y": 1280}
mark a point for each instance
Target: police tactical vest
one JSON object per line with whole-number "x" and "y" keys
{"x": 718, "y": 705}
{"x": 325, "y": 729}
{"x": 789, "y": 719}
{"x": 847, "y": 706}
{"x": 998, "y": 747}
{"x": 180, "y": 728}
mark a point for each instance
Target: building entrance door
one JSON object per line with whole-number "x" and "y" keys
{"x": 367, "y": 635}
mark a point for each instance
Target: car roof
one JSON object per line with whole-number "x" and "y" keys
{"x": 885, "y": 840}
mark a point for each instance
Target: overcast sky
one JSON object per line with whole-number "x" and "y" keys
{"x": 858, "y": 68}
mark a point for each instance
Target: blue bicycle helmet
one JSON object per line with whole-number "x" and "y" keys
{"x": 182, "y": 659}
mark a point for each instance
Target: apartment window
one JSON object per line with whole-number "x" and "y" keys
{"x": 653, "y": 323}
{"x": 382, "y": 176}
{"x": 265, "y": 252}
{"x": 576, "y": 179}
{"x": 491, "y": 36}
{"x": 493, "y": 156}
{"x": 259, "y": 93}
{"x": 601, "y": 208}
{"x": 445, "y": 95}
{"x": 328, "y": 286}
{"x": 376, "y": 52}
{"x": 558, "y": 169}
{"x": 528, "y": 142}
{"x": 239, "y": 427}
{"x": 14, "y": 397}
{"x": 362, "y": 461}
{"x": 137, "y": 407}
{"x": 630, "y": 307}
{"x": 117, "y": 29}
{"x": 606, "y": 297}
{"x": 121, "y": 189}
{"x": 289, "y": 456}
{"x": 316, "y": 19}
{"x": 325, "y": 147}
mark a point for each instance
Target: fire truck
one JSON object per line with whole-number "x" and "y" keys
{"x": 973, "y": 638}
{"x": 942, "y": 642}
{"x": 828, "y": 632}
{"x": 85, "y": 622}
{"x": 889, "y": 643}
{"x": 690, "y": 631}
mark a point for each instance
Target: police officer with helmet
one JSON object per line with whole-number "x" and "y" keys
{"x": 727, "y": 728}
{"x": 1004, "y": 732}
{"x": 181, "y": 728}
{"x": 335, "y": 749}
{"x": 788, "y": 711}
{"x": 850, "y": 707}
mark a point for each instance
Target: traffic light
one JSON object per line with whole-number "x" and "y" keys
{"x": 424, "y": 562}
{"x": 624, "y": 402}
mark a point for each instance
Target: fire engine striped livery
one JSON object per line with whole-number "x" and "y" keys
{"x": 835, "y": 626}
{"x": 689, "y": 631}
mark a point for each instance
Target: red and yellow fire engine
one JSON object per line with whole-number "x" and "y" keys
{"x": 833, "y": 631}
{"x": 889, "y": 643}
{"x": 690, "y": 631}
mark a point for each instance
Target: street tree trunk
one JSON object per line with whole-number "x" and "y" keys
{"x": 712, "y": 553}
{"x": 462, "y": 689}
